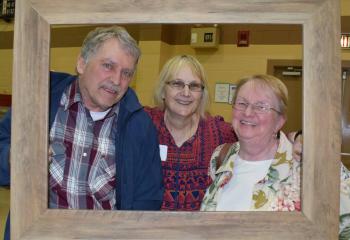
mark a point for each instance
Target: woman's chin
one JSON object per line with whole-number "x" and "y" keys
{"x": 246, "y": 136}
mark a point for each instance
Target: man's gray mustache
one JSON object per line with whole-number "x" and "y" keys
{"x": 111, "y": 86}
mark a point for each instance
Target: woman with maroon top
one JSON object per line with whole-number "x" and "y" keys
{"x": 187, "y": 134}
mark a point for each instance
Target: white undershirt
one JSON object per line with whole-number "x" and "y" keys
{"x": 236, "y": 195}
{"x": 98, "y": 115}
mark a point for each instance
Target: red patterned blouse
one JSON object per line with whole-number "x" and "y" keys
{"x": 185, "y": 170}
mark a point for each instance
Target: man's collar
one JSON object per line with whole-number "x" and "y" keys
{"x": 71, "y": 95}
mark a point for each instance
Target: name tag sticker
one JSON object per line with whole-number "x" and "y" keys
{"x": 163, "y": 150}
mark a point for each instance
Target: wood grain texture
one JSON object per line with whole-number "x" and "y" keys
{"x": 181, "y": 11}
{"x": 29, "y": 119}
{"x": 319, "y": 217}
{"x": 177, "y": 225}
{"x": 322, "y": 117}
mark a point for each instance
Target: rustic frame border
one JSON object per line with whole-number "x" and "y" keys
{"x": 30, "y": 217}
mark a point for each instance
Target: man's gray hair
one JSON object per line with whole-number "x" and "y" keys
{"x": 97, "y": 37}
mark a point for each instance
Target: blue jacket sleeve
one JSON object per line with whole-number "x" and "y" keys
{"x": 5, "y": 139}
{"x": 57, "y": 85}
{"x": 149, "y": 187}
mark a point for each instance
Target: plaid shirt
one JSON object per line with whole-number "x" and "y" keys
{"x": 82, "y": 167}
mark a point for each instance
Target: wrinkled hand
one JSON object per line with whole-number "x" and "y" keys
{"x": 297, "y": 141}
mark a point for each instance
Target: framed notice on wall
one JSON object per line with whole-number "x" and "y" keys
{"x": 222, "y": 92}
{"x": 232, "y": 92}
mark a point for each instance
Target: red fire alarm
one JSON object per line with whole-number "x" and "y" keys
{"x": 243, "y": 39}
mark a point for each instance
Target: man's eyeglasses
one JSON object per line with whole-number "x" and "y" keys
{"x": 259, "y": 108}
{"x": 180, "y": 85}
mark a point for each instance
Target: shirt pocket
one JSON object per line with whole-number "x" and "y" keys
{"x": 102, "y": 179}
{"x": 57, "y": 163}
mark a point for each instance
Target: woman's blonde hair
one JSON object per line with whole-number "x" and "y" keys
{"x": 278, "y": 88}
{"x": 169, "y": 71}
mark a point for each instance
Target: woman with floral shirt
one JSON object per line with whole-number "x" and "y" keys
{"x": 258, "y": 172}
{"x": 270, "y": 193}
{"x": 344, "y": 220}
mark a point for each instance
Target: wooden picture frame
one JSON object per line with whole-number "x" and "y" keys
{"x": 30, "y": 217}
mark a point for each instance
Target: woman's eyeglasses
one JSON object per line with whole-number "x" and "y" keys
{"x": 259, "y": 108}
{"x": 180, "y": 85}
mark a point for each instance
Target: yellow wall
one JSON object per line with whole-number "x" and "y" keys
{"x": 147, "y": 69}
{"x": 4, "y": 208}
{"x": 345, "y": 7}
{"x": 64, "y": 59}
{"x": 345, "y": 54}
{"x": 6, "y": 57}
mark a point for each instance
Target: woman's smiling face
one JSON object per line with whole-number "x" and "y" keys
{"x": 251, "y": 125}
{"x": 183, "y": 102}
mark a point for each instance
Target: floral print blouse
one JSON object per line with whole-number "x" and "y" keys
{"x": 279, "y": 190}
{"x": 344, "y": 219}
